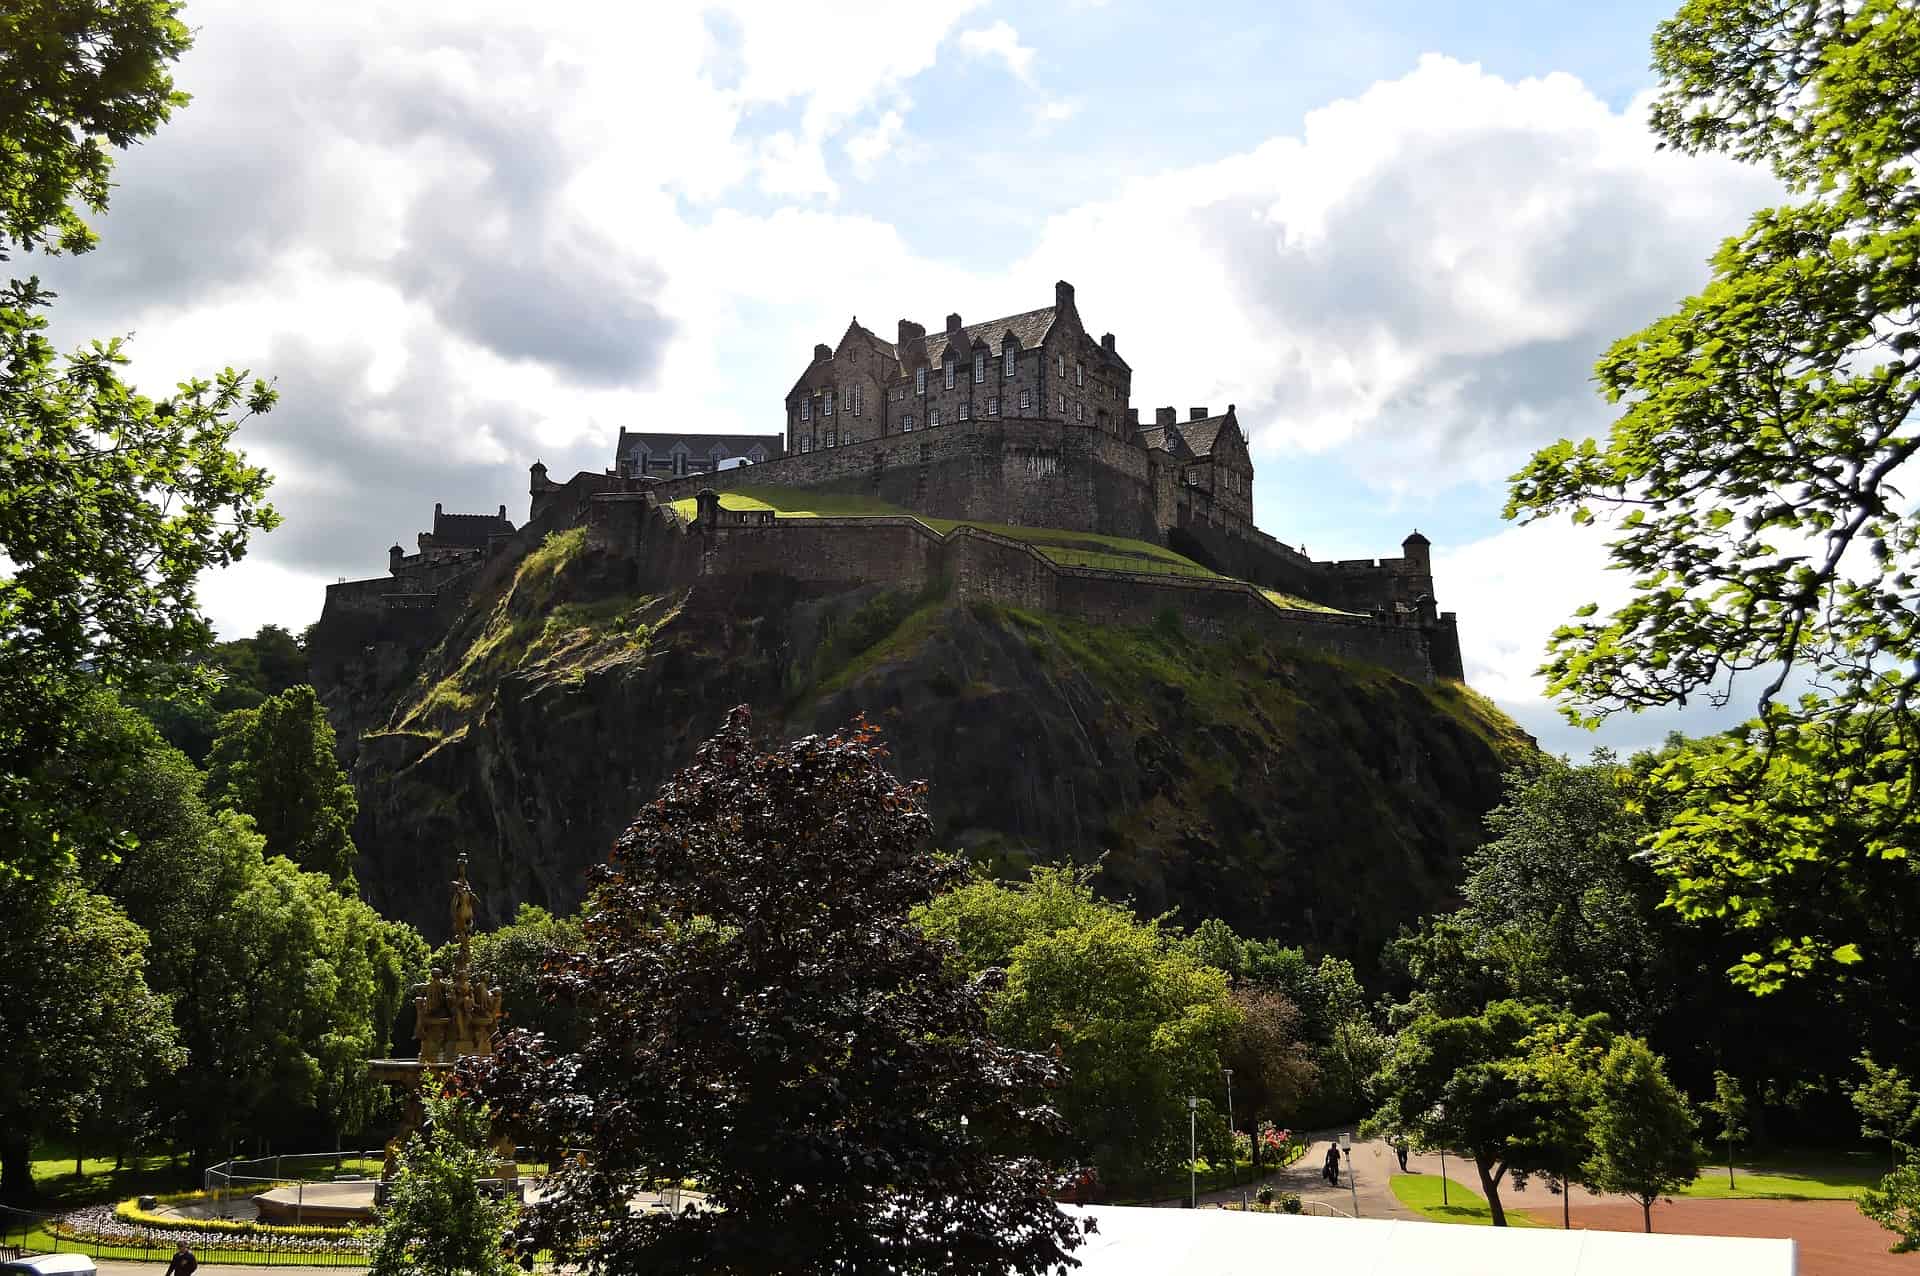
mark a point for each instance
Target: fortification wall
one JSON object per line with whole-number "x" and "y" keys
{"x": 907, "y": 554}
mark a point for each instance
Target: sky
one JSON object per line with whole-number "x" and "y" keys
{"x": 462, "y": 237}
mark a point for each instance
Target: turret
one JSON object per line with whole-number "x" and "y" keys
{"x": 1417, "y": 550}
{"x": 394, "y": 556}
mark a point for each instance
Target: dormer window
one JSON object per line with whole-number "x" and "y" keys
{"x": 919, "y": 380}
{"x": 949, "y": 370}
{"x": 979, "y": 366}
{"x": 1007, "y": 370}
{"x": 806, "y": 409}
{"x": 826, "y": 404}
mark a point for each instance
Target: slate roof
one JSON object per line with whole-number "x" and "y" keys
{"x": 632, "y": 442}
{"x": 1028, "y": 329}
{"x": 470, "y": 530}
{"x": 1186, "y": 440}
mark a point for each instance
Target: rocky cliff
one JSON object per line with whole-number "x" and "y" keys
{"x": 1297, "y": 796}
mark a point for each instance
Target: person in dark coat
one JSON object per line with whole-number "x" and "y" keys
{"x": 1331, "y": 1170}
{"x": 183, "y": 1262}
{"x": 1400, "y": 1149}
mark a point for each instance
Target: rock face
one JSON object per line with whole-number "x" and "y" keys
{"x": 1320, "y": 802}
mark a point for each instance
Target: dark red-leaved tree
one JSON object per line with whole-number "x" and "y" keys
{"x": 766, "y": 1021}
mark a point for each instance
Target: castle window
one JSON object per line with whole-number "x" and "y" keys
{"x": 833, "y": 438}
{"x": 963, "y": 411}
{"x": 906, "y": 425}
{"x": 1079, "y": 411}
{"x": 1060, "y": 404}
{"x": 949, "y": 370}
{"x": 826, "y": 404}
{"x": 979, "y": 366}
{"x": 856, "y": 400}
{"x": 933, "y": 417}
{"x": 1026, "y": 400}
{"x": 919, "y": 380}
{"x": 1007, "y": 370}
{"x": 993, "y": 405}
{"x": 1060, "y": 366}
{"x": 806, "y": 409}
{"x": 1079, "y": 374}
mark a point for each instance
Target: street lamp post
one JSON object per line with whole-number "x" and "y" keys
{"x": 1346, "y": 1145}
{"x": 1233, "y": 1149}
{"x": 1193, "y": 1153}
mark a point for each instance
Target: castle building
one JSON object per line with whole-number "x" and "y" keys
{"x": 647, "y": 455}
{"x": 1039, "y": 366}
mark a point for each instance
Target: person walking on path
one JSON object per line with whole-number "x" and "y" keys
{"x": 1331, "y": 1170}
{"x": 1399, "y": 1145}
{"x": 183, "y": 1262}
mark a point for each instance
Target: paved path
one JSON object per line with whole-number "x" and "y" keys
{"x": 1373, "y": 1165}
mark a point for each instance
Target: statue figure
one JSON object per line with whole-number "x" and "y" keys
{"x": 463, "y": 900}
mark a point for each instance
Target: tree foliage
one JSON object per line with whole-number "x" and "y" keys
{"x": 1887, "y": 1102}
{"x": 1753, "y": 486}
{"x": 1895, "y": 1205}
{"x": 83, "y": 1028}
{"x": 1644, "y": 1142}
{"x": 1496, "y": 1086}
{"x": 514, "y": 958}
{"x": 277, "y": 764}
{"x": 112, "y": 503}
{"x": 766, "y": 1019}
{"x": 1728, "y": 1107}
{"x": 441, "y": 1216}
{"x": 77, "y": 77}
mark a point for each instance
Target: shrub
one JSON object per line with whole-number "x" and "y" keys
{"x": 129, "y": 1211}
{"x": 1290, "y": 1202}
{"x": 1266, "y": 1196}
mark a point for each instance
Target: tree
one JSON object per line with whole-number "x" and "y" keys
{"x": 1643, "y": 1133}
{"x": 1754, "y": 483}
{"x": 1472, "y": 1083}
{"x": 441, "y": 1217}
{"x": 1141, "y": 1026}
{"x": 288, "y": 986}
{"x": 767, "y": 1019}
{"x": 1729, "y": 1108}
{"x": 1889, "y": 1107}
{"x": 277, "y": 764}
{"x": 112, "y": 503}
{"x": 1272, "y": 1066}
{"x": 1895, "y": 1205}
{"x": 82, "y": 1028}
{"x": 247, "y": 671}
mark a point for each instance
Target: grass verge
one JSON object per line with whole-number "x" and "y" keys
{"x": 1422, "y": 1194}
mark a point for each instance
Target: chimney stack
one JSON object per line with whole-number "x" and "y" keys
{"x": 436, "y": 509}
{"x": 1196, "y": 414}
{"x": 822, "y": 351}
{"x": 1133, "y": 417}
{"x": 1106, "y": 343}
{"x": 503, "y": 513}
{"x": 1063, "y": 295}
{"x": 1165, "y": 416}
{"x": 910, "y": 332}
{"x": 953, "y": 323}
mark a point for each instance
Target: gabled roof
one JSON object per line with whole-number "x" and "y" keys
{"x": 471, "y": 530}
{"x": 633, "y": 442}
{"x": 1203, "y": 436}
{"x": 856, "y": 328}
{"x": 1159, "y": 436}
{"x": 1029, "y": 329}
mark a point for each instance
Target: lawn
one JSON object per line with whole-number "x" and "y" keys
{"x": 1068, "y": 549}
{"x": 1421, "y": 1192}
{"x": 1787, "y": 1177}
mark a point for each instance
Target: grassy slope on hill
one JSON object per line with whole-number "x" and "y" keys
{"x": 1069, "y": 549}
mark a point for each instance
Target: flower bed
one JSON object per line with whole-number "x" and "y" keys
{"x": 138, "y": 1228}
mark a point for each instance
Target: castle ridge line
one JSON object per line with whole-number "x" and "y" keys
{"x": 1023, "y": 421}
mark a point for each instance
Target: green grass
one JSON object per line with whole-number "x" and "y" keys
{"x": 98, "y": 1181}
{"x": 1778, "y": 1179}
{"x": 1421, "y": 1193}
{"x": 1066, "y": 548}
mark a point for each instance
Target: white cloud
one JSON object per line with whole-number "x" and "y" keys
{"x": 866, "y": 149}
{"x": 1056, "y": 111}
{"x": 1000, "y": 41}
{"x": 1423, "y": 276}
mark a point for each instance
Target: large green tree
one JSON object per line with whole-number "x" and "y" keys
{"x": 277, "y": 764}
{"x": 1497, "y": 1087}
{"x": 1752, "y": 488}
{"x": 82, "y": 1028}
{"x": 766, "y": 1018}
{"x": 441, "y": 1216}
{"x": 112, "y": 503}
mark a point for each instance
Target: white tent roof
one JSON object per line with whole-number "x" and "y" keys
{"x": 1158, "y": 1242}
